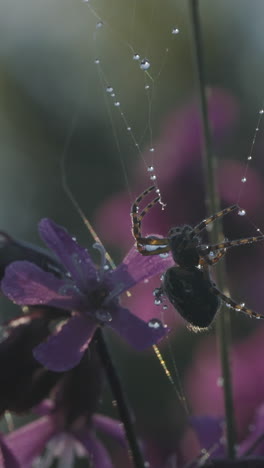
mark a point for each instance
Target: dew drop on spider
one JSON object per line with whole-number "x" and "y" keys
{"x": 136, "y": 57}
{"x": 241, "y": 212}
{"x": 154, "y": 323}
{"x": 99, "y": 25}
{"x": 175, "y": 31}
{"x": 109, "y": 89}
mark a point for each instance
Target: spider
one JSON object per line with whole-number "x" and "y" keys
{"x": 188, "y": 285}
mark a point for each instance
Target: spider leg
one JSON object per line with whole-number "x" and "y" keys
{"x": 157, "y": 251}
{"x": 234, "y": 243}
{"x": 199, "y": 227}
{"x": 234, "y": 305}
{"x": 212, "y": 261}
{"x": 136, "y": 218}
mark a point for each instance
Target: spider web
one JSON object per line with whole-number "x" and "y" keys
{"x": 134, "y": 68}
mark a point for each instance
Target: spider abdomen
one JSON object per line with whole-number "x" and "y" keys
{"x": 191, "y": 294}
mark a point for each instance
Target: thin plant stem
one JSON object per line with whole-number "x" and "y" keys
{"x": 121, "y": 401}
{"x": 212, "y": 204}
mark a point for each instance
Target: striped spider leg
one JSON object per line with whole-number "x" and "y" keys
{"x": 144, "y": 244}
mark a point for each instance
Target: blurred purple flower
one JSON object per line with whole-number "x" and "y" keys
{"x": 178, "y": 166}
{"x": 7, "y": 458}
{"x": 92, "y": 294}
{"x": 63, "y": 442}
{"x": 204, "y": 391}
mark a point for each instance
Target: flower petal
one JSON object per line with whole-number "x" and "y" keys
{"x": 111, "y": 427}
{"x": 74, "y": 257}
{"x": 27, "y": 284}
{"x": 97, "y": 453}
{"x": 64, "y": 350}
{"x": 255, "y": 433}
{"x": 7, "y": 458}
{"x": 136, "y": 268}
{"x": 210, "y": 432}
{"x": 29, "y": 441}
{"x": 139, "y": 334}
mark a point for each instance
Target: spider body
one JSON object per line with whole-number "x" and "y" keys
{"x": 191, "y": 295}
{"x": 183, "y": 246}
{"x": 188, "y": 284}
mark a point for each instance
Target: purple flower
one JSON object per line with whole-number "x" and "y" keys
{"x": 28, "y": 442}
{"x": 91, "y": 293}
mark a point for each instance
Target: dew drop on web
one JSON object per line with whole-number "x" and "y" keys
{"x": 144, "y": 64}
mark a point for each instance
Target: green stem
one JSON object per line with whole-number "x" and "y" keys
{"x": 119, "y": 395}
{"x": 212, "y": 203}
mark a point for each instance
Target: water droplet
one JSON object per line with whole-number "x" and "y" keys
{"x": 244, "y": 179}
{"x": 129, "y": 129}
{"x": 152, "y": 150}
{"x": 242, "y": 304}
{"x": 155, "y": 323}
{"x": 156, "y": 291}
{"x": 97, "y": 61}
{"x": 241, "y": 212}
{"x": 74, "y": 239}
{"x": 99, "y": 25}
{"x": 175, "y": 31}
{"x": 204, "y": 247}
{"x": 220, "y": 382}
{"x": 109, "y": 89}
{"x": 136, "y": 57}
{"x": 165, "y": 307}
{"x": 106, "y": 267}
{"x": 67, "y": 289}
{"x": 150, "y": 169}
{"x": 261, "y": 111}
{"x": 258, "y": 230}
{"x": 257, "y": 129}
{"x": 144, "y": 64}
{"x": 146, "y": 464}
{"x": 153, "y": 177}
{"x": 249, "y": 158}
{"x": 164, "y": 255}
{"x": 117, "y": 103}
{"x": 146, "y": 86}
{"x": 86, "y": 1}
{"x": 146, "y": 280}
{"x": 103, "y": 315}
{"x": 112, "y": 94}
{"x": 157, "y": 302}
